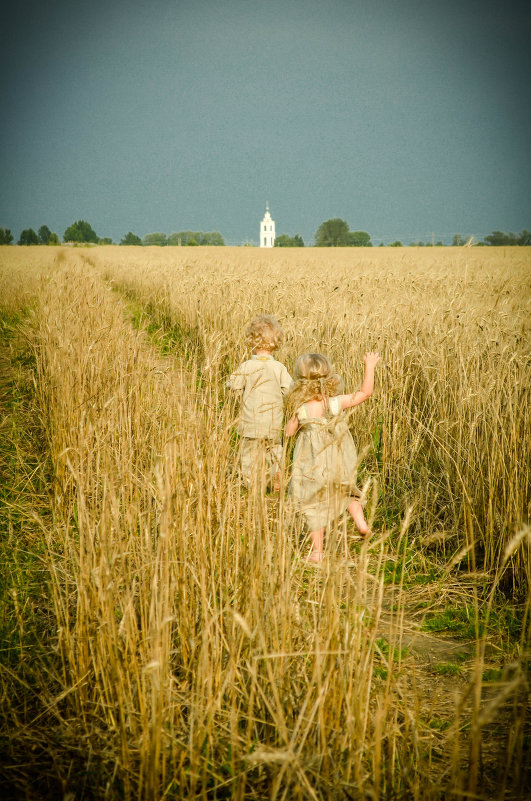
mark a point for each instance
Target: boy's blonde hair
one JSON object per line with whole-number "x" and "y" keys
{"x": 314, "y": 378}
{"x": 264, "y": 333}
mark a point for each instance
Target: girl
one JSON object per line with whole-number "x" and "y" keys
{"x": 324, "y": 460}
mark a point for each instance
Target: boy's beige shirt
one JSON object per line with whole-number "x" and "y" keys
{"x": 264, "y": 382}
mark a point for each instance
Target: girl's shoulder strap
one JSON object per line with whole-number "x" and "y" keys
{"x": 302, "y": 413}
{"x": 334, "y": 404}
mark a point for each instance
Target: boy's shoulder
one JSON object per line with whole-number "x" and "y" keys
{"x": 244, "y": 366}
{"x": 278, "y": 367}
{"x": 254, "y": 364}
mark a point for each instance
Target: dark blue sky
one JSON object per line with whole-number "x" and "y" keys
{"x": 408, "y": 119}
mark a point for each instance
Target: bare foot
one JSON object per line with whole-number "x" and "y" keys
{"x": 315, "y": 557}
{"x": 356, "y": 512}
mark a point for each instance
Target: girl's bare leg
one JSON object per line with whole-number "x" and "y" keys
{"x": 356, "y": 512}
{"x": 316, "y": 537}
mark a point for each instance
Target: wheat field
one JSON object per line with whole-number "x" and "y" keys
{"x": 165, "y": 638}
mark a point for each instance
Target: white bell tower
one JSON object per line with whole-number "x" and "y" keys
{"x": 267, "y": 230}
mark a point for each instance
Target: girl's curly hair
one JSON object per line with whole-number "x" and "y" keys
{"x": 314, "y": 379}
{"x": 264, "y": 333}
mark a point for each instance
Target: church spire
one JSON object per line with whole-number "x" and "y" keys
{"x": 267, "y": 230}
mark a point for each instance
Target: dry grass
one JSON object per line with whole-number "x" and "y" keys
{"x": 196, "y": 656}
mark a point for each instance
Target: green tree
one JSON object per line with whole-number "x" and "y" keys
{"x": 175, "y": 239}
{"x": 359, "y": 239}
{"x": 286, "y": 241}
{"x": 80, "y": 231}
{"x": 396, "y": 244}
{"x": 28, "y": 237}
{"x": 195, "y": 238}
{"x": 184, "y": 237}
{"x": 500, "y": 238}
{"x": 332, "y": 233}
{"x": 6, "y": 237}
{"x": 44, "y": 235}
{"x": 105, "y": 240}
{"x": 213, "y": 238}
{"x": 131, "y": 239}
{"x": 155, "y": 239}
{"x": 189, "y": 237}
{"x": 54, "y": 239}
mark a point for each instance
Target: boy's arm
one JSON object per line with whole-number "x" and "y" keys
{"x": 371, "y": 359}
{"x": 236, "y": 380}
{"x": 285, "y": 381}
{"x": 292, "y": 426}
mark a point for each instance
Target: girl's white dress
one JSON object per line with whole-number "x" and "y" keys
{"x": 323, "y": 479}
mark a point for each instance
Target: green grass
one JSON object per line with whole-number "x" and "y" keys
{"x": 27, "y": 627}
{"x": 446, "y": 669}
{"x": 410, "y": 568}
{"x": 492, "y": 674}
{"x": 170, "y": 336}
{"x": 504, "y": 622}
{"x": 386, "y": 653}
{"x": 391, "y": 651}
{"x": 438, "y": 724}
{"x": 23, "y": 478}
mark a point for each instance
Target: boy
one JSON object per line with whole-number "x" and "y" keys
{"x": 262, "y": 382}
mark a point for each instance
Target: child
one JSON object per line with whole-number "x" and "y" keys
{"x": 262, "y": 382}
{"x": 324, "y": 458}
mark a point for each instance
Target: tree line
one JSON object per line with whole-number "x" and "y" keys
{"x": 336, "y": 233}
{"x": 331, "y": 233}
{"x": 81, "y": 232}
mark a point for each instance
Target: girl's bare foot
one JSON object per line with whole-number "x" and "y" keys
{"x": 317, "y": 540}
{"x": 356, "y": 512}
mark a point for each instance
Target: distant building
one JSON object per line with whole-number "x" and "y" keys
{"x": 267, "y": 230}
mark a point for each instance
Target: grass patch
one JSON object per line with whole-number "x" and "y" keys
{"x": 26, "y": 622}
{"x": 169, "y": 335}
{"x": 504, "y": 622}
{"x": 446, "y": 669}
{"x": 391, "y": 651}
{"x": 492, "y": 674}
{"x": 439, "y": 724}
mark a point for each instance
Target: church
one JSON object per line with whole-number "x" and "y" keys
{"x": 267, "y": 230}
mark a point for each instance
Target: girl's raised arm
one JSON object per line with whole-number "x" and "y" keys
{"x": 371, "y": 359}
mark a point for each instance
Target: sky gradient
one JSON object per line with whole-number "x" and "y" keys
{"x": 410, "y": 119}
